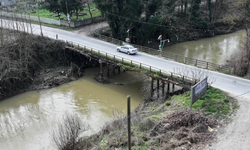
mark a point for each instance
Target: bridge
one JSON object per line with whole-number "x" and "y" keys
{"x": 231, "y": 84}
{"x": 114, "y": 64}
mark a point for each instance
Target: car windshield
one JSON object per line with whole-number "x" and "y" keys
{"x": 131, "y": 47}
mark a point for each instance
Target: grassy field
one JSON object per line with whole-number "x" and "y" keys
{"x": 44, "y": 13}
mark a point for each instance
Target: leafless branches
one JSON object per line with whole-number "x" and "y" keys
{"x": 195, "y": 73}
{"x": 67, "y": 132}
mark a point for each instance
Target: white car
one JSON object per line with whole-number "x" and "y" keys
{"x": 129, "y": 49}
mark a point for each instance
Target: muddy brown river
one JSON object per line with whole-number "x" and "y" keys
{"x": 216, "y": 49}
{"x": 27, "y": 120}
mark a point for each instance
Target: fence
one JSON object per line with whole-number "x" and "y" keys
{"x": 152, "y": 70}
{"x": 32, "y": 18}
{"x": 52, "y": 21}
{"x": 174, "y": 57}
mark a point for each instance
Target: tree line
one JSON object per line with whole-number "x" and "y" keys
{"x": 68, "y": 6}
{"x": 147, "y": 19}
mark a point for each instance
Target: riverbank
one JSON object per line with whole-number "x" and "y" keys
{"x": 168, "y": 124}
{"x": 30, "y": 62}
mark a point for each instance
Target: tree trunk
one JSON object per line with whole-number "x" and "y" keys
{"x": 89, "y": 10}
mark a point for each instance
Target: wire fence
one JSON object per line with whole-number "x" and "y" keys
{"x": 174, "y": 57}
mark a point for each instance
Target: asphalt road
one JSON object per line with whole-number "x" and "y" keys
{"x": 231, "y": 84}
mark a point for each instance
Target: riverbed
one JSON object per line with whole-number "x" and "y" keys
{"x": 27, "y": 120}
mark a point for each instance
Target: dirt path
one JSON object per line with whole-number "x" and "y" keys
{"x": 236, "y": 135}
{"x": 89, "y": 29}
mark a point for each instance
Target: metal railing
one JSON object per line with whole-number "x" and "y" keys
{"x": 173, "y": 57}
{"x": 135, "y": 64}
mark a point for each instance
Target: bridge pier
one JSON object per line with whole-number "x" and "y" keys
{"x": 163, "y": 88}
{"x": 119, "y": 70}
{"x": 168, "y": 88}
{"x": 101, "y": 69}
{"x": 152, "y": 86}
{"x": 158, "y": 88}
{"x": 173, "y": 89}
{"x": 107, "y": 69}
{"x": 113, "y": 69}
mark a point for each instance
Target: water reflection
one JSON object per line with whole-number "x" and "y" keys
{"x": 217, "y": 49}
{"x": 27, "y": 120}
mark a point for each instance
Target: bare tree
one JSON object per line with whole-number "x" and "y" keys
{"x": 195, "y": 73}
{"x": 67, "y": 133}
{"x": 88, "y": 3}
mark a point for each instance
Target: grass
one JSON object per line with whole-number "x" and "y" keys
{"x": 44, "y": 13}
{"x": 215, "y": 103}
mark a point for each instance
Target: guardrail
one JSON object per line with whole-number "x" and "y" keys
{"x": 173, "y": 57}
{"x": 135, "y": 64}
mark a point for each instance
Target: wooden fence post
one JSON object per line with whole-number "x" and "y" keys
{"x": 129, "y": 123}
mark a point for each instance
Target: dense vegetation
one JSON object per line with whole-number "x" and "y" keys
{"x": 29, "y": 62}
{"x": 177, "y": 20}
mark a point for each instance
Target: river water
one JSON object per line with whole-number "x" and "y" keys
{"x": 27, "y": 120}
{"x": 215, "y": 50}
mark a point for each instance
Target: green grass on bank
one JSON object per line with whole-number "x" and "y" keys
{"x": 215, "y": 103}
{"x": 44, "y": 13}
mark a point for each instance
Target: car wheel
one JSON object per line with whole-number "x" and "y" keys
{"x": 118, "y": 50}
{"x": 128, "y": 53}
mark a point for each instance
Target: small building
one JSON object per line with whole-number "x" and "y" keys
{"x": 5, "y": 3}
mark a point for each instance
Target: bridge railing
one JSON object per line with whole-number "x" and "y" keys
{"x": 133, "y": 64}
{"x": 173, "y": 57}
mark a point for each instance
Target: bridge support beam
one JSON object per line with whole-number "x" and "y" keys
{"x": 158, "y": 88}
{"x": 163, "y": 88}
{"x": 101, "y": 69}
{"x": 168, "y": 88}
{"x": 119, "y": 70}
{"x": 173, "y": 89}
{"x": 152, "y": 87}
{"x": 113, "y": 69}
{"x": 107, "y": 69}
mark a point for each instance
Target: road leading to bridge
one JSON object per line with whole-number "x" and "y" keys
{"x": 230, "y": 84}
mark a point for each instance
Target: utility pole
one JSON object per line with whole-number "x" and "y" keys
{"x": 162, "y": 43}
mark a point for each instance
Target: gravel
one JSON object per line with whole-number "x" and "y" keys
{"x": 236, "y": 135}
